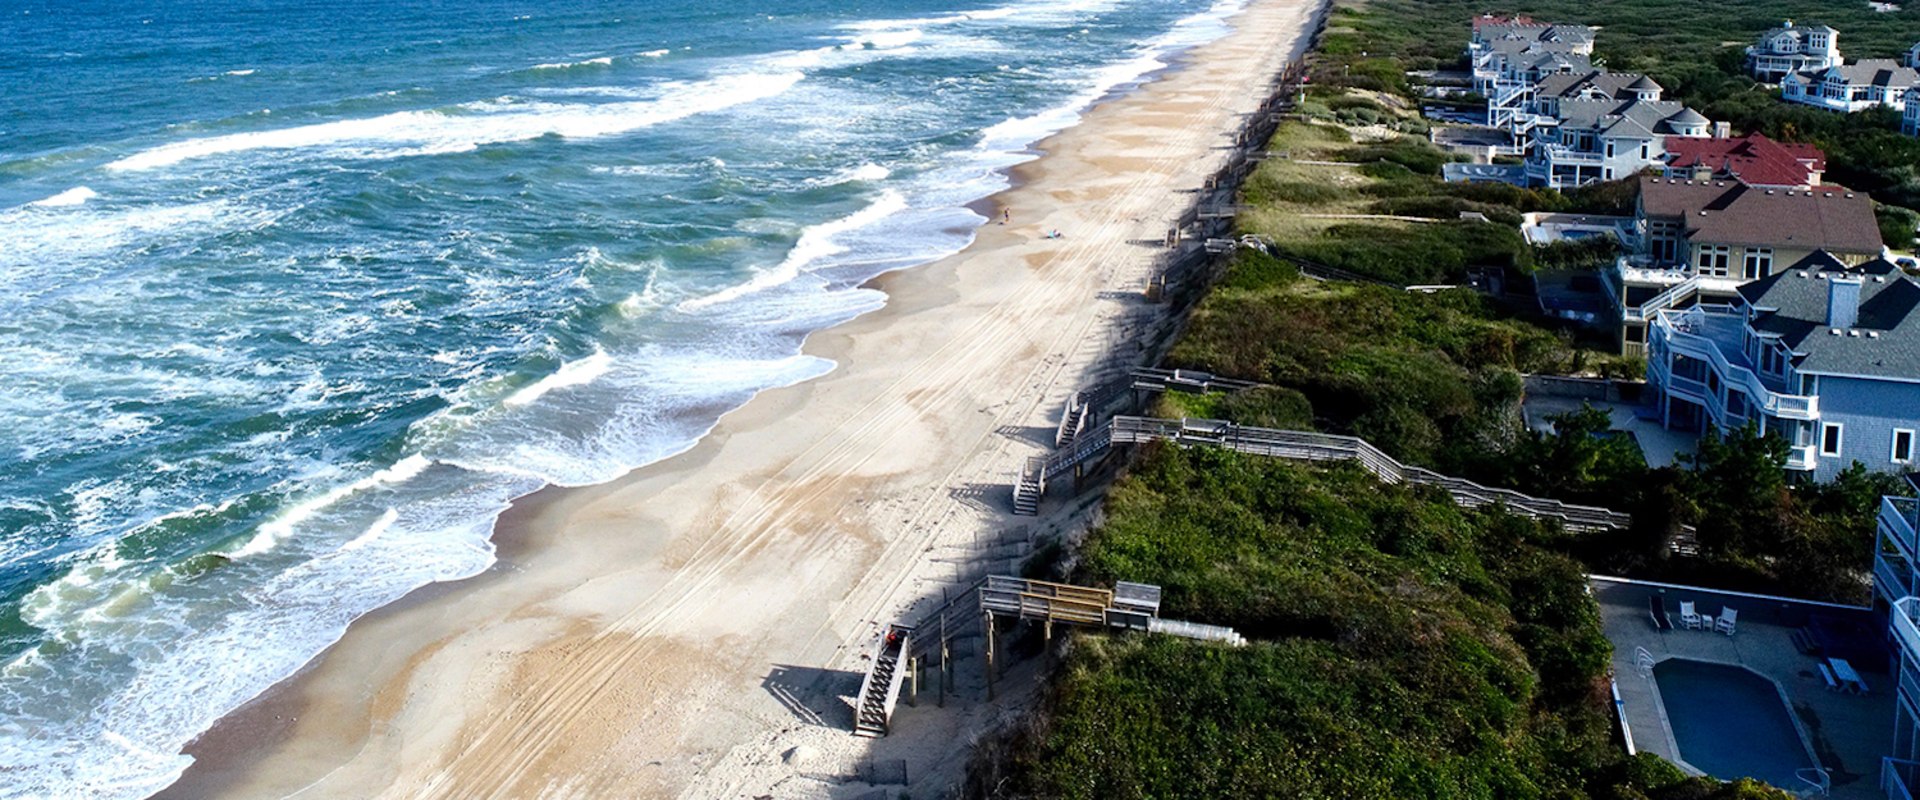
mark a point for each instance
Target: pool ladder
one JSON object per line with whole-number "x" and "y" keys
{"x": 1817, "y": 780}
{"x": 1643, "y": 661}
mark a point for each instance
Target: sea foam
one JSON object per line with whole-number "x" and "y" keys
{"x": 411, "y": 133}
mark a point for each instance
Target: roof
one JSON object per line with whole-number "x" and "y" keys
{"x": 1885, "y": 342}
{"x": 1626, "y": 118}
{"x": 1868, "y": 72}
{"x": 1722, "y": 212}
{"x": 1488, "y": 28}
{"x": 1753, "y": 159}
{"x": 1616, "y": 85}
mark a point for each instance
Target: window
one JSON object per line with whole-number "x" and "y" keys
{"x": 1770, "y": 358}
{"x": 1902, "y": 445}
{"x": 1714, "y": 259}
{"x": 1830, "y": 439}
{"x": 1609, "y": 148}
{"x": 1759, "y": 263}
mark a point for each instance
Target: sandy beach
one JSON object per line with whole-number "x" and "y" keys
{"x": 681, "y": 631}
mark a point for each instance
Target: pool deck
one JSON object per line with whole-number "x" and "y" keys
{"x": 1659, "y": 446}
{"x": 1850, "y": 733}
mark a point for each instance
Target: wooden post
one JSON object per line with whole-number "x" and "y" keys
{"x": 989, "y": 655}
{"x": 913, "y": 682}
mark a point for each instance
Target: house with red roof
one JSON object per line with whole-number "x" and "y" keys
{"x": 1754, "y": 160}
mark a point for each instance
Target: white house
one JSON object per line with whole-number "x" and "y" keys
{"x": 1793, "y": 48}
{"x": 1852, "y": 87}
{"x": 1601, "y": 126}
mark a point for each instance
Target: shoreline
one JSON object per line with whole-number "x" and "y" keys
{"x": 575, "y": 665}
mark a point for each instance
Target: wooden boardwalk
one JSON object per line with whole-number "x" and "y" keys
{"x": 1304, "y": 446}
{"x": 983, "y": 608}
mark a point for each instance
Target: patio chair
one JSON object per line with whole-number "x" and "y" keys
{"x": 1657, "y": 609}
{"x": 1688, "y": 616}
{"x": 1724, "y": 623}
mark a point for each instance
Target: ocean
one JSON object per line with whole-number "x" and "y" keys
{"x": 296, "y": 298}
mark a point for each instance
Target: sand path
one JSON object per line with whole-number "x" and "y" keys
{"x": 677, "y": 630}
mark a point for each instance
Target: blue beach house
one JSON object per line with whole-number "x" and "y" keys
{"x": 1823, "y": 354}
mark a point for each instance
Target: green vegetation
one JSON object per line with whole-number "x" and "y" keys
{"x": 1403, "y": 648}
{"x": 1389, "y": 216}
{"x": 1435, "y": 380}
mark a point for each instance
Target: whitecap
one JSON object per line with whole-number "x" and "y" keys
{"x": 71, "y": 197}
{"x": 466, "y": 127}
{"x": 573, "y": 373}
{"x": 817, "y": 242}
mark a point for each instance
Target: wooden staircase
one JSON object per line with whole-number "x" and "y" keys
{"x": 1033, "y": 483}
{"x": 1073, "y": 421}
{"x": 873, "y": 710}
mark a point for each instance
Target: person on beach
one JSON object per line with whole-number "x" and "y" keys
{"x": 1006, "y": 215}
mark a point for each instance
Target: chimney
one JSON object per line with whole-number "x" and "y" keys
{"x": 1843, "y": 301}
{"x": 1722, "y": 130}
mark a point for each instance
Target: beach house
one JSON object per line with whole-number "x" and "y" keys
{"x": 1859, "y": 86}
{"x": 1509, "y": 55}
{"x": 1896, "y": 591}
{"x": 1754, "y": 160}
{"x": 1793, "y": 48}
{"x": 1825, "y": 354}
{"x": 1599, "y": 126}
{"x": 1698, "y": 241}
{"x": 1910, "y": 112}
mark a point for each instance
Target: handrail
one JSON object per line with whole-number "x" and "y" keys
{"x": 1823, "y": 786}
{"x": 1768, "y": 400}
{"x": 1643, "y": 661}
{"x": 1310, "y": 446}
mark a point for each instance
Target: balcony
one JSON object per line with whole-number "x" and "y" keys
{"x": 1801, "y": 458}
{"x": 1905, "y": 633}
{"x": 1892, "y": 578}
{"x": 1691, "y": 333}
{"x": 1900, "y": 518}
{"x": 1562, "y": 154}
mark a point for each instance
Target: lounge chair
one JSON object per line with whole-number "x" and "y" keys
{"x": 1827, "y": 675}
{"x": 1657, "y": 609}
{"x": 1724, "y": 622}
{"x": 1688, "y": 616}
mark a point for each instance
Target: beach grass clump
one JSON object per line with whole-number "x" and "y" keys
{"x": 1431, "y": 379}
{"x": 1413, "y": 253}
{"x": 1401, "y": 647}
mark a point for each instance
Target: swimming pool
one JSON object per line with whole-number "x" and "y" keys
{"x": 1730, "y": 722}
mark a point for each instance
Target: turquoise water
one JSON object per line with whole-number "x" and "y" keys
{"x": 1730, "y": 722}
{"x": 295, "y": 298}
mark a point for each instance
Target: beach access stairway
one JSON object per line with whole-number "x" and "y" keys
{"x": 904, "y": 649}
{"x": 1311, "y": 446}
{"x": 880, "y": 690}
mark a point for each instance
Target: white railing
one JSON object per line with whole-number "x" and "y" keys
{"x": 1801, "y": 458}
{"x": 1888, "y": 580}
{"x": 1675, "y": 328}
{"x": 1817, "y": 781}
{"x": 1894, "y": 774}
{"x": 1562, "y": 154}
{"x": 1643, "y": 661}
{"x": 1904, "y": 630}
{"x": 1901, "y": 516}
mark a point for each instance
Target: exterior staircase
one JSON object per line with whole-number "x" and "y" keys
{"x": 1033, "y": 483}
{"x": 873, "y": 710}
